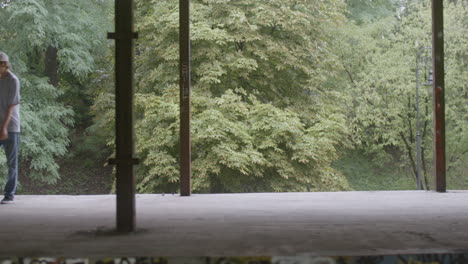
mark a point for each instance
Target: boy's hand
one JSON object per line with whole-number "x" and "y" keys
{"x": 3, "y": 134}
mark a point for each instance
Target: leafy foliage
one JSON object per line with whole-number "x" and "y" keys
{"x": 275, "y": 49}
{"x": 29, "y": 29}
{"x": 281, "y": 89}
{"x": 238, "y": 145}
{"x": 260, "y": 121}
{"x": 365, "y": 11}
{"x": 456, "y": 94}
{"x": 380, "y": 67}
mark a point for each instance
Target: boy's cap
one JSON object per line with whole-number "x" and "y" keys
{"x": 3, "y": 57}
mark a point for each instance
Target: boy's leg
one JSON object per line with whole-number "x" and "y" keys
{"x": 11, "y": 146}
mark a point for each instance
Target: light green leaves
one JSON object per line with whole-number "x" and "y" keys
{"x": 237, "y": 142}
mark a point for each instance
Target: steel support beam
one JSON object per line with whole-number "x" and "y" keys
{"x": 438, "y": 92}
{"x": 184, "y": 70}
{"x": 124, "y": 135}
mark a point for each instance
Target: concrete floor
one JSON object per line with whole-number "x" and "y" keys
{"x": 269, "y": 224}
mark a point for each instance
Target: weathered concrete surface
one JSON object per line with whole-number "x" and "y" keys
{"x": 272, "y": 224}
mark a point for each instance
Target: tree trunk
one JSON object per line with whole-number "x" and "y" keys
{"x": 426, "y": 181}
{"x": 424, "y": 134}
{"x": 215, "y": 185}
{"x": 410, "y": 156}
{"x": 51, "y": 65}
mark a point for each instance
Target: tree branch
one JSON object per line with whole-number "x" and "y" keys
{"x": 348, "y": 72}
{"x": 408, "y": 149}
{"x": 426, "y": 182}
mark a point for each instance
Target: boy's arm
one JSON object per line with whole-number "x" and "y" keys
{"x": 13, "y": 101}
{"x": 4, "y": 129}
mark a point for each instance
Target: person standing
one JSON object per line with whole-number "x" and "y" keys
{"x": 9, "y": 124}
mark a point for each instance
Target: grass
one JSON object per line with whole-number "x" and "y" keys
{"x": 364, "y": 174}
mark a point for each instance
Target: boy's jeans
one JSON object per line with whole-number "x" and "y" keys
{"x": 11, "y": 146}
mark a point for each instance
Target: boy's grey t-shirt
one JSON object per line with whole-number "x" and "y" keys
{"x": 10, "y": 95}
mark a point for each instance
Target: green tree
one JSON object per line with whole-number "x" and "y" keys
{"x": 365, "y": 11}
{"x": 276, "y": 49}
{"x": 239, "y": 144}
{"x": 52, "y": 46}
{"x": 378, "y": 59}
{"x": 261, "y": 120}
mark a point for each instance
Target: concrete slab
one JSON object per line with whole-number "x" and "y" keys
{"x": 254, "y": 224}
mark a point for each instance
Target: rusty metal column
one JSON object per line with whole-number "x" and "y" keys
{"x": 125, "y": 183}
{"x": 438, "y": 92}
{"x": 184, "y": 68}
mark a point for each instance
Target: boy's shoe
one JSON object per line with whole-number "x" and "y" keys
{"x": 6, "y": 200}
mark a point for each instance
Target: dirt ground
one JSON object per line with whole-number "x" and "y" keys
{"x": 75, "y": 179}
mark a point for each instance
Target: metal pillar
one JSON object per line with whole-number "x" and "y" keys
{"x": 438, "y": 91}
{"x": 125, "y": 184}
{"x": 184, "y": 69}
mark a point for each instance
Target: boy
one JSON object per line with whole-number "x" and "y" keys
{"x": 9, "y": 124}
